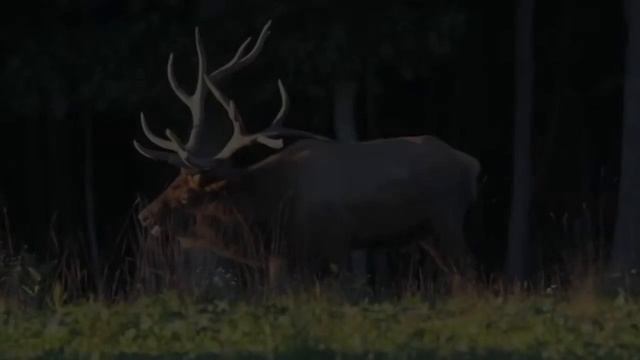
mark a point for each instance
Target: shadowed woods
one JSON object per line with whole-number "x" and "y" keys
{"x": 378, "y": 199}
{"x": 420, "y": 179}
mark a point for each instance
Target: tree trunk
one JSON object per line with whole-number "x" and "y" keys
{"x": 90, "y": 208}
{"x": 626, "y": 247}
{"x": 518, "y": 256}
{"x": 344, "y": 111}
{"x": 34, "y": 207}
{"x": 62, "y": 199}
{"x": 345, "y": 130}
{"x": 371, "y": 130}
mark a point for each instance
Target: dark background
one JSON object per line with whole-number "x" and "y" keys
{"x": 76, "y": 75}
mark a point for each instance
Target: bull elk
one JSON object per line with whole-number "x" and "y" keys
{"x": 316, "y": 199}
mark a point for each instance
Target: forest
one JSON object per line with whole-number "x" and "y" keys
{"x": 545, "y": 95}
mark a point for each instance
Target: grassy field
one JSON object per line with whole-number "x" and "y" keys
{"x": 470, "y": 326}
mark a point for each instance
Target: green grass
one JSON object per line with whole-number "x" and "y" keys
{"x": 309, "y": 327}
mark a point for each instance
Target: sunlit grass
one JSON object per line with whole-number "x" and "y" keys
{"x": 473, "y": 325}
{"x": 42, "y": 315}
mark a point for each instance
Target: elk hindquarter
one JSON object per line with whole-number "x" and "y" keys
{"x": 349, "y": 196}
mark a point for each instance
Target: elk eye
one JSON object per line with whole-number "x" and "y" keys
{"x": 196, "y": 180}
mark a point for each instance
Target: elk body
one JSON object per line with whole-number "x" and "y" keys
{"x": 311, "y": 203}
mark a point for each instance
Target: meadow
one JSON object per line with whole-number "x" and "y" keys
{"x": 469, "y": 325}
{"x": 47, "y": 313}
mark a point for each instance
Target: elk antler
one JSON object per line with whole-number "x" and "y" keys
{"x": 195, "y": 153}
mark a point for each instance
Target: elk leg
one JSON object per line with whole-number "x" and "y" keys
{"x": 359, "y": 266}
{"x": 277, "y": 270}
{"x": 435, "y": 255}
{"x": 381, "y": 272}
{"x": 450, "y": 231}
{"x": 201, "y": 243}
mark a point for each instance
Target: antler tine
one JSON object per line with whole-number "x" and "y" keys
{"x": 240, "y": 138}
{"x": 233, "y": 112}
{"x": 276, "y": 128}
{"x": 152, "y": 137}
{"x": 236, "y": 63}
{"x": 198, "y": 95}
{"x": 284, "y": 108}
{"x": 165, "y": 156}
{"x": 236, "y": 119}
{"x": 277, "y": 121}
{"x": 168, "y": 156}
{"x": 216, "y": 74}
{"x": 195, "y": 102}
{"x": 222, "y": 99}
{"x": 181, "y": 154}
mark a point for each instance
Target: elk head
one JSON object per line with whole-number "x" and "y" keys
{"x": 204, "y": 165}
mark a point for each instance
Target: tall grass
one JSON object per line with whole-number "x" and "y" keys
{"x": 163, "y": 300}
{"x": 145, "y": 265}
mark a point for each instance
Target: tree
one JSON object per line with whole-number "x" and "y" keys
{"x": 518, "y": 254}
{"x": 626, "y": 247}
